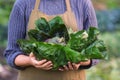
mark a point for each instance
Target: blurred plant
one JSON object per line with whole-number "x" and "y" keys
{"x": 107, "y": 70}
{"x": 3, "y": 36}
{"x": 110, "y": 69}
{"x": 5, "y": 8}
{"x": 109, "y": 4}
{"x": 112, "y": 4}
{"x": 108, "y": 20}
{"x": 112, "y": 41}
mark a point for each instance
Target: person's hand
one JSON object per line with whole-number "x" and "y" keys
{"x": 42, "y": 64}
{"x": 74, "y": 66}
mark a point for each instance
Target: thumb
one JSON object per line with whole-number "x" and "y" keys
{"x": 33, "y": 59}
{"x": 31, "y": 55}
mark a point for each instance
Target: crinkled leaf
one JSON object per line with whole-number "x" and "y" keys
{"x": 42, "y": 25}
{"x": 96, "y": 50}
{"x": 45, "y": 30}
{"x": 58, "y": 28}
{"x": 91, "y": 47}
{"x": 80, "y": 46}
{"x": 26, "y": 45}
{"x": 74, "y": 56}
{"x": 38, "y": 35}
{"x": 93, "y": 33}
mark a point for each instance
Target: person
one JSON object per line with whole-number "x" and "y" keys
{"x": 78, "y": 14}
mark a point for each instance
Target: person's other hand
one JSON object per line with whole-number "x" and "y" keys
{"x": 42, "y": 64}
{"x": 74, "y": 66}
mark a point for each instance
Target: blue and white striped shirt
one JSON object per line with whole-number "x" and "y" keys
{"x": 83, "y": 10}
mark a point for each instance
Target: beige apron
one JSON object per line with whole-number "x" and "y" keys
{"x": 32, "y": 73}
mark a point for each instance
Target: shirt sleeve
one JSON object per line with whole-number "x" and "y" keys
{"x": 90, "y": 20}
{"x": 16, "y": 30}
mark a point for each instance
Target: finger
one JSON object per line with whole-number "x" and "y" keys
{"x": 50, "y": 65}
{"x": 70, "y": 66}
{"x": 76, "y": 66}
{"x": 41, "y": 62}
{"x": 31, "y": 54}
{"x": 35, "y": 62}
{"x": 61, "y": 69}
{"x": 47, "y": 68}
{"x": 85, "y": 63}
{"x": 65, "y": 67}
{"x": 47, "y": 64}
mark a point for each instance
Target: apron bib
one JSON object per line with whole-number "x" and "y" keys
{"x": 32, "y": 73}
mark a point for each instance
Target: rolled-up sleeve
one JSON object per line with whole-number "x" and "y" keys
{"x": 89, "y": 20}
{"x": 90, "y": 15}
{"x": 16, "y": 30}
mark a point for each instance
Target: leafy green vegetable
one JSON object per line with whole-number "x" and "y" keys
{"x": 91, "y": 45}
{"x": 52, "y": 41}
{"x": 42, "y": 25}
{"x": 45, "y": 30}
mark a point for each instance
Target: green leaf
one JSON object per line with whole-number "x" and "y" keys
{"x": 80, "y": 46}
{"x": 58, "y": 28}
{"x": 42, "y": 25}
{"x": 93, "y": 33}
{"x": 38, "y": 35}
{"x": 26, "y": 45}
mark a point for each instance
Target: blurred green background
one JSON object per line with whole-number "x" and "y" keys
{"x": 108, "y": 16}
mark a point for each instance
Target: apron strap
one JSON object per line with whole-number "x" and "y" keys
{"x": 68, "y": 5}
{"x": 37, "y": 3}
